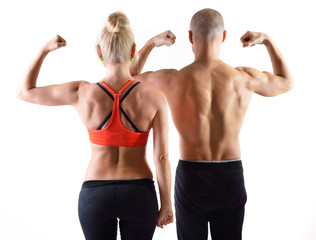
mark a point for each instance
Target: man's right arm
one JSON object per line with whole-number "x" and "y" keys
{"x": 265, "y": 83}
{"x": 160, "y": 79}
{"x": 166, "y": 38}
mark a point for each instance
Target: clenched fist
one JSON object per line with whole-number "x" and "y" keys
{"x": 166, "y": 38}
{"x": 253, "y": 38}
{"x": 55, "y": 43}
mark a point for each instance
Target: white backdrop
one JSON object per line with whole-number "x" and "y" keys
{"x": 45, "y": 150}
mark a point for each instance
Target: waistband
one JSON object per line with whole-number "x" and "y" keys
{"x": 231, "y": 165}
{"x": 100, "y": 183}
{"x": 207, "y": 161}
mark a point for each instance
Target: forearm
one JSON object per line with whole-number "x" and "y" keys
{"x": 30, "y": 80}
{"x": 163, "y": 173}
{"x": 278, "y": 62}
{"x": 166, "y": 38}
{"x": 141, "y": 58}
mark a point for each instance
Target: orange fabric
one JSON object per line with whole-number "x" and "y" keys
{"x": 115, "y": 134}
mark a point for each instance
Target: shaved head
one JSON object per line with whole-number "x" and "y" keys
{"x": 207, "y": 23}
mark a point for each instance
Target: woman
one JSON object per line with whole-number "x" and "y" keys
{"x": 118, "y": 113}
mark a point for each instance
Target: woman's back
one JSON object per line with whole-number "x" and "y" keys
{"x": 118, "y": 114}
{"x": 138, "y": 108}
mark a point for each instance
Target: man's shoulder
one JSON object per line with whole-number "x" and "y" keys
{"x": 228, "y": 70}
{"x": 215, "y": 67}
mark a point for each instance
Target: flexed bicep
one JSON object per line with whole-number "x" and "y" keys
{"x": 62, "y": 94}
{"x": 53, "y": 95}
{"x": 264, "y": 83}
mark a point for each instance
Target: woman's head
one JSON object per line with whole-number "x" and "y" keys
{"x": 116, "y": 39}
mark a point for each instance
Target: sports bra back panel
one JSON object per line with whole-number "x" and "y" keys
{"x": 115, "y": 133}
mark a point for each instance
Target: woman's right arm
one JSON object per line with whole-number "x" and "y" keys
{"x": 63, "y": 94}
{"x": 163, "y": 172}
{"x": 166, "y": 38}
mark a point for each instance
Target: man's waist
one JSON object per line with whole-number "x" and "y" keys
{"x": 211, "y": 161}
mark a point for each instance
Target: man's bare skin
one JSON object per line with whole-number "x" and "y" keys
{"x": 208, "y": 99}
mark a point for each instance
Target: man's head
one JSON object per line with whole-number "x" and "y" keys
{"x": 207, "y": 25}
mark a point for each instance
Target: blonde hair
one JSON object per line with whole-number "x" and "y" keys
{"x": 116, "y": 38}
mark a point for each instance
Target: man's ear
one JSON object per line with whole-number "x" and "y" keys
{"x": 224, "y": 36}
{"x": 191, "y": 36}
{"x": 97, "y": 47}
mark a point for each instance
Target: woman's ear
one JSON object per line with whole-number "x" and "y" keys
{"x": 133, "y": 52}
{"x": 97, "y": 47}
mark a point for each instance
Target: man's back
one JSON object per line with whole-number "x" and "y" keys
{"x": 208, "y": 102}
{"x": 208, "y": 99}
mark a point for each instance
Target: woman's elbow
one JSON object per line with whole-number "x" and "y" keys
{"x": 289, "y": 84}
{"x": 20, "y": 94}
{"x": 162, "y": 158}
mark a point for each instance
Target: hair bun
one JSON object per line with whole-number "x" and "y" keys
{"x": 117, "y": 21}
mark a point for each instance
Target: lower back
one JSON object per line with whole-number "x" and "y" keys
{"x": 118, "y": 163}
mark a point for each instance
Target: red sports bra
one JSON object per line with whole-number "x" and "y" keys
{"x": 115, "y": 134}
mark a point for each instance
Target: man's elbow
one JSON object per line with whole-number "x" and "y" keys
{"x": 285, "y": 85}
{"x": 288, "y": 84}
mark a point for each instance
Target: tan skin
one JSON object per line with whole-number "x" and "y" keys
{"x": 145, "y": 106}
{"x": 208, "y": 99}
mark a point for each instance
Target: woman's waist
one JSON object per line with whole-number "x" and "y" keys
{"x": 118, "y": 169}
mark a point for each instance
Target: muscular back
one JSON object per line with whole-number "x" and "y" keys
{"x": 208, "y": 99}
{"x": 208, "y": 103}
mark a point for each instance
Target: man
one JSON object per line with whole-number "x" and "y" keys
{"x": 208, "y": 100}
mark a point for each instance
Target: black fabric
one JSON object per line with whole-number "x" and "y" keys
{"x": 105, "y": 90}
{"x": 129, "y": 120}
{"x": 128, "y": 91}
{"x": 105, "y": 121}
{"x": 133, "y": 202}
{"x": 209, "y": 193}
{"x": 121, "y": 109}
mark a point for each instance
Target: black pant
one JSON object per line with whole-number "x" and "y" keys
{"x": 209, "y": 192}
{"x": 133, "y": 202}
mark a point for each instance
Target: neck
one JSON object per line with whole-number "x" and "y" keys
{"x": 117, "y": 74}
{"x": 206, "y": 51}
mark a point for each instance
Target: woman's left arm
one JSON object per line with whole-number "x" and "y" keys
{"x": 62, "y": 94}
{"x": 163, "y": 171}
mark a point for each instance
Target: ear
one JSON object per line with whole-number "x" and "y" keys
{"x": 224, "y": 36}
{"x": 97, "y": 47}
{"x": 191, "y": 36}
{"x": 133, "y": 52}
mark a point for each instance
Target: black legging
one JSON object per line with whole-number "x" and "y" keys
{"x": 133, "y": 202}
{"x": 209, "y": 193}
